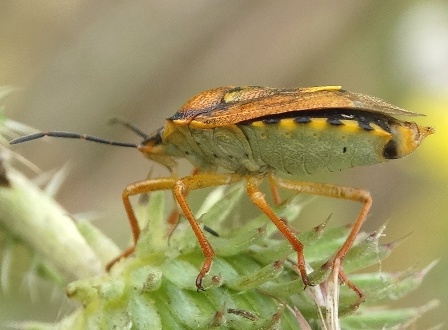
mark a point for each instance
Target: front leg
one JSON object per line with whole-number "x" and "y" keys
{"x": 180, "y": 188}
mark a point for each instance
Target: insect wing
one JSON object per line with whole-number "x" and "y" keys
{"x": 239, "y": 105}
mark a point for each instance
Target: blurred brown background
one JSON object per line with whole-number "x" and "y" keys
{"x": 80, "y": 63}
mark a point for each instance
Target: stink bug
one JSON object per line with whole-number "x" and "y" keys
{"x": 253, "y": 133}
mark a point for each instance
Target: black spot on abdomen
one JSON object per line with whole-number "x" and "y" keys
{"x": 390, "y": 150}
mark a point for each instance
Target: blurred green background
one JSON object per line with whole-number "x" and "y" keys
{"x": 80, "y": 63}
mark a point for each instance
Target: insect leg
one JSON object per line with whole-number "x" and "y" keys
{"x": 274, "y": 190}
{"x": 137, "y": 188}
{"x": 258, "y": 198}
{"x": 180, "y": 189}
{"x": 173, "y": 218}
{"x": 329, "y": 190}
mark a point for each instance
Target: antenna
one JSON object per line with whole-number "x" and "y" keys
{"x": 128, "y": 125}
{"x": 70, "y": 135}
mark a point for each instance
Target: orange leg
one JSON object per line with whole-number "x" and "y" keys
{"x": 349, "y": 193}
{"x": 173, "y": 218}
{"x": 258, "y": 198}
{"x": 179, "y": 187}
{"x": 274, "y": 190}
{"x": 276, "y": 197}
{"x": 137, "y": 188}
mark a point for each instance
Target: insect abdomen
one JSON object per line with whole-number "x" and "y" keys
{"x": 305, "y": 145}
{"x": 306, "y": 142}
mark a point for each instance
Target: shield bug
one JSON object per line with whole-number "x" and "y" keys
{"x": 253, "y": 133}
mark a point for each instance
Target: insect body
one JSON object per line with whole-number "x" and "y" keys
{"x": 302, "y": 131}
{"x": 255, "y": 132}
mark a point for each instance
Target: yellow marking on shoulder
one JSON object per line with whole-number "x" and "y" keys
{"x": 168, "y": 129}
